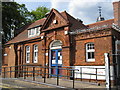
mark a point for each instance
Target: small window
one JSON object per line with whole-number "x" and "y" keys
{"x": 37, "y": 30}
{"x": 29, "y": 32}
{"x": 90, "y": 52}
{"x": 35, "y": 54}
{"x": 34, "y": 32}
{"x": 27, "y": 54}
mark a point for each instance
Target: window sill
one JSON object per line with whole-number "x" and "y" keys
{"x": 90, "y": 60}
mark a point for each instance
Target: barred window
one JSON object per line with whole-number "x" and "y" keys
{"x": 90, "y": 52}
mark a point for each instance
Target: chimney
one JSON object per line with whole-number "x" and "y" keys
{"x": 116, "y": 7}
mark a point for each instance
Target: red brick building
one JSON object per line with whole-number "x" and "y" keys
{"x": 61, "y": 40}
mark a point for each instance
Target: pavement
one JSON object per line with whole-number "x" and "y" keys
{"x": 50, "y": 83}
{"x": 16, "y": 83}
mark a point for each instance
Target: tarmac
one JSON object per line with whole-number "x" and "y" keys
{"x": 49, "y": 83}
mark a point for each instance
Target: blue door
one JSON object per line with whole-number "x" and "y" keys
{"x": 56, "y": 61}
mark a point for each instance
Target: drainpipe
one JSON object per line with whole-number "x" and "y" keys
{"x": 45, "y": 57}
{"x": 117, "y": 63}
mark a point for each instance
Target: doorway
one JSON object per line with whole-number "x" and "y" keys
{"x": 56, "y": 58}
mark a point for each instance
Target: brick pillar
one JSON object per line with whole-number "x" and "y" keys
{"x": 11, "y": 59}
{"x": 66, "y": 59}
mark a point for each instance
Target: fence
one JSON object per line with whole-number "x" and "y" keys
{"x": 26, "y": 71}
{"x": 36, "y": 71}
{"x": 90, "y": 73}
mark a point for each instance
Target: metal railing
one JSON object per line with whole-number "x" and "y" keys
{"x": 26, "y": 71}
{"x": 34, "y": 71}
{"x": 94, "y": 73}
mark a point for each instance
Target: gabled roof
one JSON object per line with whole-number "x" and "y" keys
{"x": 64, "y": 19}
{"x": 23, "y": 36}
{"x": 68, "y": 19}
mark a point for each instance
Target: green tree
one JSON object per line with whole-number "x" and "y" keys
{"x": 14, "y": 16}
{"x": 40, "y": 12}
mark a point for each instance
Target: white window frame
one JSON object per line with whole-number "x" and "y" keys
{"x": 29, "y": 32}
{"x": 35, "y": 53}
{"x": 38, "y": 30}
{"x": 34, "y": 32}
{"x": 90, "y": 48}
{"x": 27, "y": 53}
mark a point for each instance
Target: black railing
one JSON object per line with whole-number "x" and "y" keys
{"x": 95, "y": 73}
{"x": 36, "y": 71}
{"x": 33, "y": 71}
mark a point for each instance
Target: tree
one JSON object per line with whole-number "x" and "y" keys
{"x": 14, "y": 16}
{"x": 39, "y": 12}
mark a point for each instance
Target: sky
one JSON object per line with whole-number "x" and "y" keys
{"x": 86, "y": 10}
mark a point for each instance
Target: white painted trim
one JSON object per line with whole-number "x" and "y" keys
{"x": 52, "y": 48}
{"x": 87, "y": 69}
{"x": 27, "y": 61}
{"x": 56, "y": 48}
{"x": 35, "y": 51}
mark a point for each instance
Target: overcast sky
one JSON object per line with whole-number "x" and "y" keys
{"x": 86, "y": 10}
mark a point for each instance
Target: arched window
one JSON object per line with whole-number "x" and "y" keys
{"x": 56, "y": 44}
{"x": 27, "y": 54}
{"x": 35, "y": 54}
{"x": 90, "y": 50}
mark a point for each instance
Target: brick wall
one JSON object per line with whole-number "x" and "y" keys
{"x": 103, "y": 44}
{"x": 116, "y": 6}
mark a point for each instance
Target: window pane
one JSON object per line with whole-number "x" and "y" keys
{"x": 90, "y": 46}
{"x": 33, "y": 31}
{"x": 29, "y": 32}
{"x": 35, "y": 54}
{"x": 53, "y": 55}
{"x": 90, "y": 51}
{"x": 27, "y": 48}
{"x": 89, "y": 55}
{"x": 37, "y": 30}
{"x": 28, "y": 56}
{"x": 92, "y": 55}
{"x": 57, "y": 43}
